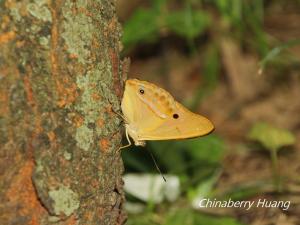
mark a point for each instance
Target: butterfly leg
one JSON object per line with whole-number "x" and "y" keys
{"x": 128, "y": 139}
{"x": 120, "y": 115}
{"x": 115, "y": 111}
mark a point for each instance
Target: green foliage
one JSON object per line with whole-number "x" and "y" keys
{"x": 183, "y": 156}
{"x": 134, "y": 161}
{"x": 171, "y": 154}
{"x": 210, "y": 74}
{"x": 243, "y": 18}
{"x": 191, "y": 19}
{"x": 204, "y": 189}
{"x": 189, "y": 217}
{"x": 230, "y": 9}
{"x": 273, "y": 139}
{"x": 142, "y": 219}
{"x": 145, "y": 25}
{"x": 212, "y": 67}
{"x": 246, "y": 190}
{"x": 180, "y": 216}
{"x": 209, "y": 148}
{"x": 270, "y": 137}
{"x": 187, "y": 23}
{"x": 195, "y": 157}
{"x": 142, "y": 27}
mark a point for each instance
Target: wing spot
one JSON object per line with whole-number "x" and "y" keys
{"x": 142, "y": 91}
{"x": 175, "y": 116}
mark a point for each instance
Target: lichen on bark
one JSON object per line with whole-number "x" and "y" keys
{"x": 60, "y": 85}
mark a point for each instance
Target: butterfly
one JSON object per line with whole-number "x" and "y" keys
{"x": 151, "y": 113}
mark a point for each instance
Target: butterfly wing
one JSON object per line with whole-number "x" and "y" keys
{"x": 180, "y": 125}
{"x": 137, "y": 114}
{"x": 152, "y": 114}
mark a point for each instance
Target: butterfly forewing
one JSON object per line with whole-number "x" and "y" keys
{"x": 184, "y": 125}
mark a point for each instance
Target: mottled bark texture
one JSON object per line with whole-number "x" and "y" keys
{"x": 60, "y": 87}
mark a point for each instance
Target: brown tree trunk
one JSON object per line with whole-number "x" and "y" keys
{"x": 59, "y": 134}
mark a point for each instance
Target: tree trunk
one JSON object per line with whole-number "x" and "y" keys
{"x": 60, "y": 87}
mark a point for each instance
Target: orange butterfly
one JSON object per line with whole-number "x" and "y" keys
{"x": 151, "y": 113}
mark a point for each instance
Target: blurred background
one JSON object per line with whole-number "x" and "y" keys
{"x": 237, "y": 63}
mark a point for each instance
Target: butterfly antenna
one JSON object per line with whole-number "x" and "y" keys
{"x": 152, "y": 156}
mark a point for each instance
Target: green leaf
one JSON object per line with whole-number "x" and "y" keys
{"x": 141, "y": 27}
{"x": 209, "y": 148}
{"x": 187, "y": 23}
{"x": 270, "y": 137}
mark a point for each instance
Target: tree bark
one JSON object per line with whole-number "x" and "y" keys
{"x": 60, "y": 87}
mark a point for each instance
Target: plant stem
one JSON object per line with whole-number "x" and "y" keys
{"x": 275, "y": 170}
